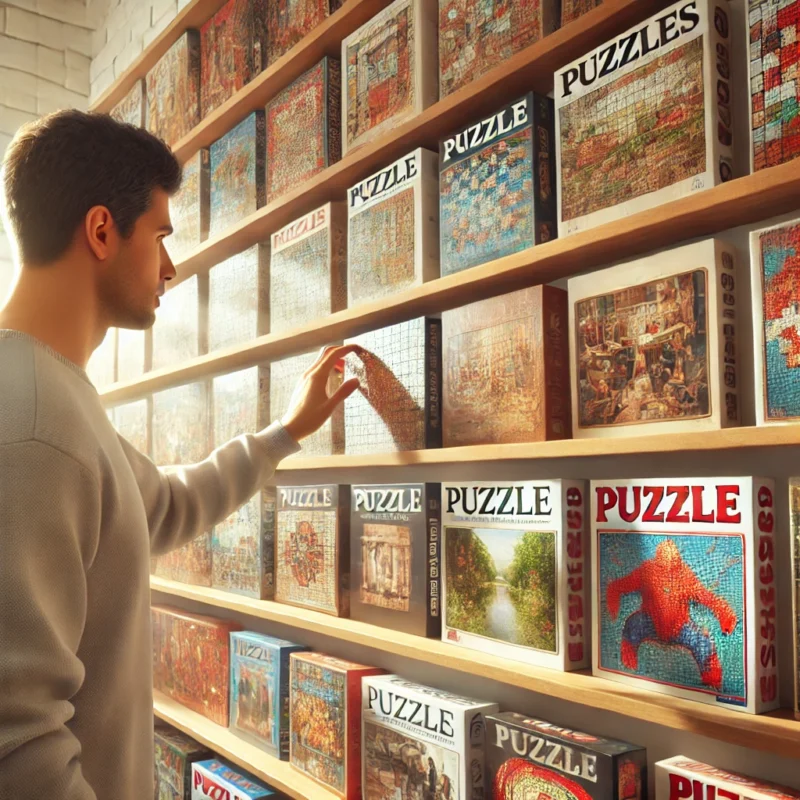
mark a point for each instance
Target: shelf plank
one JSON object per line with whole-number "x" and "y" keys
{"x": 776, "y": 733}
{"x": 278, "y": 774}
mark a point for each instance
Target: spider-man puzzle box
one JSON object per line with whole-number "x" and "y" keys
{"x": 684, "y": 598}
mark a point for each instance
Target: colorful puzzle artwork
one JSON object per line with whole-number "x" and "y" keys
{"x": 253, "y": 700}
{"x": 290, "y": 20}
{"x": 304, "y": 128}
{"x": 774, "y": 81}
{"x": 173, "y": 90}
{"x": 178, "y": 334}
{"x": 132, "y": 421}
{"x": 237, "y": 173}
{"x": 217, "y": 780}
{"x": 476, "y": 35}
{"x": 386, "y": 566}
{"x": 572, "y": 9}
{"x": 175, "y": 753}
{"x": 131, "y": 108}
{"x": 189, "y": 208}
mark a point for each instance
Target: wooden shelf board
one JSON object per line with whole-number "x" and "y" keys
{"x": 776, "y": 733}
{"x": 278, "y": 774}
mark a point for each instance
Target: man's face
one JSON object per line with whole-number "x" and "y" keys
{"x": 130, "y": 288}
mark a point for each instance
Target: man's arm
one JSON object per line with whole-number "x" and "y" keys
{"x": 49, "y": 531}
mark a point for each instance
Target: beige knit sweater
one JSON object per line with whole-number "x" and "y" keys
{"x": 81, "y": 511}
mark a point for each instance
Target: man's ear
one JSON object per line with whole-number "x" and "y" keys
{"x": 101, "y": 233}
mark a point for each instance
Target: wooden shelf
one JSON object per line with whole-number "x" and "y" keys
{"x": 278, "y": 774}
{"x": 776, "y": 733}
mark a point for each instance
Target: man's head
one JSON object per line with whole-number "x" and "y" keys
{"x": 84, "y": 189}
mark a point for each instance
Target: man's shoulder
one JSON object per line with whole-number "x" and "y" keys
{"x": 18, "y": 382}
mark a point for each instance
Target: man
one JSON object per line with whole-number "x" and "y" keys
{"x": 81, "y": 511}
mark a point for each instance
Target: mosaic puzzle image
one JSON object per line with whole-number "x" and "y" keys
{"x": 306, "y": 559}
{"x": 638, "y": 134}
{"x": 501, "y": 584}
{"x": 572, "y": 9}
{"x": 476, "y": 35}
{"x": 290, "y": 20}
{"x": 518, "y": 777}
{"x": 672, "y": 609}
{"x": 174, "y": 754}
{"x": 386, "y": 566}
{"x": 318, "y": 722}
{"x": 252, "y": 696}
{"x": 188, "y": 208}
{"x": 486, "y": 204}
{"x": 780, "y": 281}
{"x": 774, "y": 87}
{"x": 380, "y": 75}
{"x": 131, "y": 108}
{"x": 399, "y": 767}
{"x": 642, "y": 353}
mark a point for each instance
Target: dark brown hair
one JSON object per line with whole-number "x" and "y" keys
{"x": 60, "y": 166}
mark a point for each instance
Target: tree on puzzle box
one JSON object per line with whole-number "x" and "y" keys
{"x": 532, "y": 758}
{"x": 308, "y": 268}
{"x": 175, "y": 752}
{"x": 684, "y": 593}
{"x": 289, "y": 21}
{"x": 325, "y": 721}
{"x": 389, "y": 71}
{"x": 180, "y": 331}
{"x": 645, "y": 118}
{"x": 475, "y": 35}
{"x": 497, "y": 185}
{"x": 515, "y": 579}
{"x": 393, "y": 229}
{"x": 189, "y": 208}
{"x": 304, "y": 128}
{"x": 653, "y": 344}
{"x": 131, "y": 108}
{"x": 420, "y": 742}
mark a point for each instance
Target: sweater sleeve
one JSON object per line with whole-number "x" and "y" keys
{"x": 184, "y": 502}
{"x": 50, "y": 510}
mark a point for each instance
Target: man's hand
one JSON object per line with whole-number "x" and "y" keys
{"x": 310, "y": 406}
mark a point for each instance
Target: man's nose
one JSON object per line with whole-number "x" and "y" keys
{"x": 168, "y": 271}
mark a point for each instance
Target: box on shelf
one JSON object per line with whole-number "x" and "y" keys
{"x": 238, "y": 167}
{"x": 475, "y": 36}
{"x": 260, "y": 690}
{"x": 515, "y": 561}
{"x": 243, "y": 544}
{"x": 638, "y": 126}
{"x": 132, "y": 421}
{"x": 238, "y": 298}
{"x": 395, "y": 568}
{"x": 218, "y": 780}
{"x": 289, "y": 21}
{"x": 684, "y": 596}
{"x": 794, "y": 553}
{"x": 175, "y": 752}
{"x": 572, "y": 9}
{"x": 131, "y": 108}
{"x": 398, "y": 403}
{"x": 304, "y": 128}
{"x": 308, "y": 268}
{"x": 524, "y": 754}
{"x": 417, "y": 739}
{"x": 173, "y": 90}
{"x": 189, "y": 208}
{"x": 132, "y": 355}
{"x": 180, "y": 331}
{"x": 325, "y": 721}
{"x": 497, "y": 182}
{"x": 191, "y": 660}
{"x": 506, "y": 369}
{"x": 682, "y": 778}
{"x": 102, "y": 366}
{"x": 233, "y": 50}
{"x": 393, "y": 229}
{"x": 776, "y": 319}
{"x": 389, "y": 71}
{"x": 312, "y": 541}
{"x": 284, "y": 377}
{"x": 653, "y": 344}
{"x": 774, "y": 26}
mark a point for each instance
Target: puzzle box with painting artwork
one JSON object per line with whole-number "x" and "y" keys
{"x": 398, "y": 403}
{"x": 175, "y": 752}
{"x": 657, "y": 128}
{"x": 395, "y": 535}
{"x": 238, "y": 298}
{"x": 189, "y": 208}
{"x": 653, "y": 344}
{"x": 497, "y": 182}
{"x": 304, "y": 128}
{"x": 308, "y": 268}
{"x": 217, "y": 780}
{"x": 532, "y": 758}
{"x": 515, "y": 570}
{"x": 289, "y": 21}
{"x": 132, "y": 421}
{"x": 238, "y": 185}
{"x": 684, "y": 590}
{"x": 173, "y": 90}
{"x": 393, "y": 229}
{"x": 389, "y": 71}
{"x": 506, "y": 369}
{"x": 180, "y": 330}
{"x": 260, "y": 690}
{"x": 131, "y": 108}
{"x": 312, "y": 548}
{"x": 243, "y": 544}
{"x": 419, "y": 742}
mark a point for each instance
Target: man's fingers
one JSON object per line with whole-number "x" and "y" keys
{"x": 341, "y": 394}
{"x": 323, "y": 351}
{"x": 329, "y": 359}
